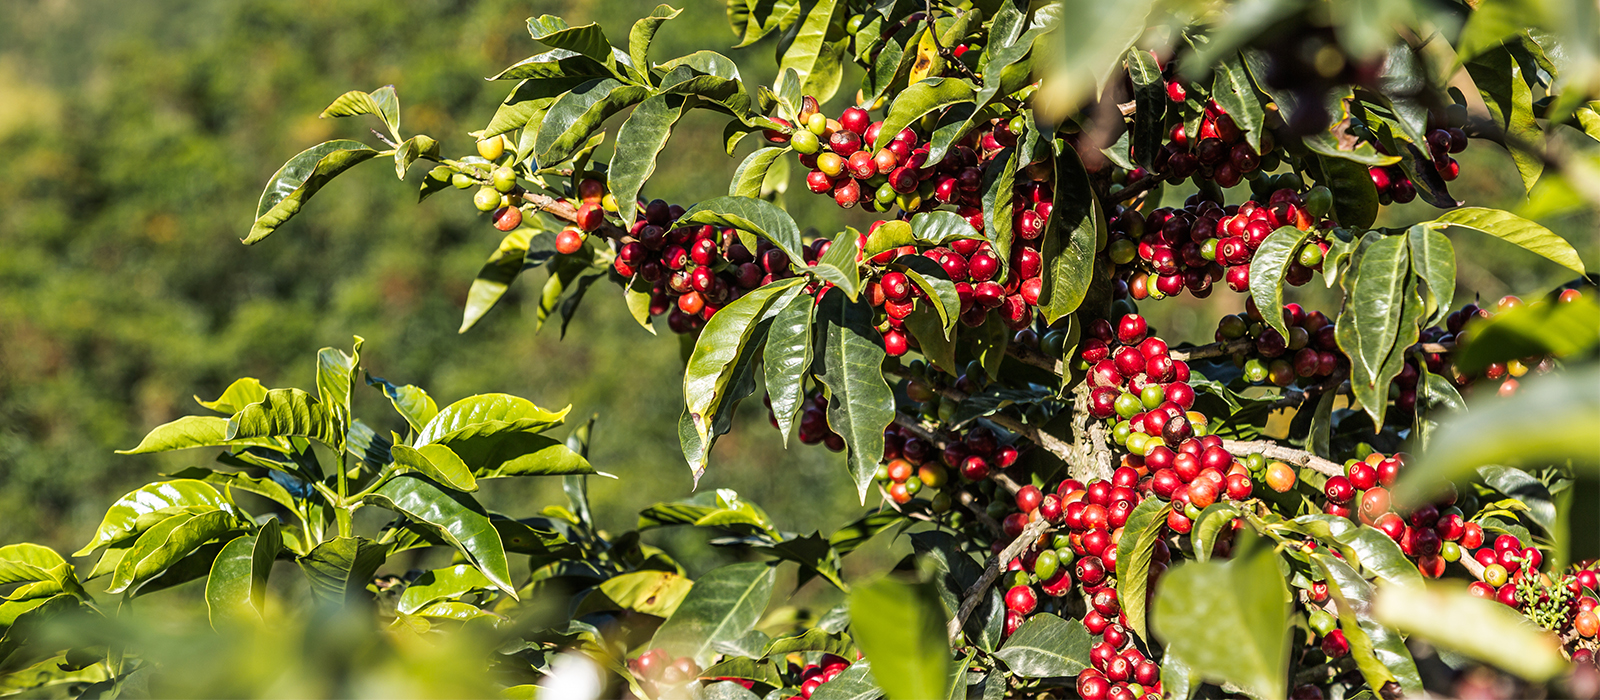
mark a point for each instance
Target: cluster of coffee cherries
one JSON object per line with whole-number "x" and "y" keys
{"x": 1310, "y": 354}
{"x": 658, "y": 671}
{"x": 1218, "y": 152}
{"x": 813, "y": 421}
{"x": 1432, "y": 534}
{"x": 1394, "y": 186}
{"x": 814, "y": 675}
{"x": 844, "y": 164}
{"x": 911, "y": 464}
{"x": 1503, "y": 376}
{"x": 1204, "y": 242}
{"x": 1505, "y": 562}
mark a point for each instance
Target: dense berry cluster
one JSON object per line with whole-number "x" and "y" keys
{"x": 1503, "y": 376}
{"x": 1203, "y": 243}
{"x": 1395, "y": 186}
{"x": 1217, "y": 151}
{"x": 1310, "y": 355}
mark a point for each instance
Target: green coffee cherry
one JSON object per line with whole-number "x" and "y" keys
{"x": 1046, "y": 565}
{"x": 805, "y": 142}
{"x": 504, "y": 178}
{"x": 486, "y": 199}
{"x": 1322, "y": 622}
{"x": 1152, "y": 396}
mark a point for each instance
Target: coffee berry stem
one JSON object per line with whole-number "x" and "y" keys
{"x": 1272, "y": 450}
{"x": 566, "y": 211}
{"x": 1056, "y": 446}
{"x": 975, "y": 594}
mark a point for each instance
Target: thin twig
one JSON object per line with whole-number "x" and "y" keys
{"x": 1272, "y": 450}
{"x": 1143, "y": 185}
{"x": 975, "y": 594}
{"x": 1201, "y": 352}
{"x": 970, "y": 502}
{"x": 564, "y": 210}
{"x": 385, "y": 139}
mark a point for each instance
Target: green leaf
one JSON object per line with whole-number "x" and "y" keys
{"x": 412, "y": 149}
{"x": 495, "y": 277}
{"x": 589, "y": 39}
{"x": 1355, "y": 198}
{"x": 123, "y": 517}
{"x": 1267, "y": 269}
{"x": 817, "y": 50}
{"x": 925, "y": 325}
{"x": 643, "y": 34}
{"x": 722, "y": 606}
{"x": 455, "y": 517}
{"x": 1517, "y": 231}
{"x": 193, "y": 431}
{"x": 1560, "y": 329}
{"x": 336, "y": 376}
{"x": 639, "y": 141}
{"x": 28, "y": 562}
{"x": 1505, "y": 77}
{"x": 299, "y": 179}
{"x": 50, "y": 673}
{"x": 1150, "y": 106}
{"x": 713, "y": 364}
{"x": 1069, "y": 244}
{"x": 1047, "y": 646}
{"x": 1379, "y": 652}
{"x": 753, "y": 19}
{"x": 934, "y": 282}
{"x": 410, "y": 401}
{"x": 164, "y": 545}
{"x": 957, "y": 572}
{"x": 577, "y": 114}
{"x": 340, "y": 569}
{"x": 840, "y": 267}
{"x": 238, "y": 394}
{"x": 901, "y": 629}
{"x": 381, "y": 103}
{"x": 1549, "y": 420}
{"x": 1134, "y": 551}
{"x": 483, "y": 415}
{"x": 1245, "y": 596}
{"x": 1206, "y": 529}
{"x": 941, "y": 227}
{"x": 926, "y": 96}
{"x": 289, "y": 413}
{"x": 448, "y": 583}
{"x": 1380, "y": 556}
{"x": 999, "y": 190}
{"x": 657, "y": 593}
{"x": 1433, "y": 258}
{"x": 1370, "y": 320}
{"x": 814, "y": 639}
{"x": 721, "y": 508}
{"x": 237, "y": 585}
{"x": 757, "y": 216}
{"x": 511, "y": 454}
{"x": 860, "y": 402}
{"x": 1232, "y": 90}
{"x": 1449, "y": 617}
{"x": 752, "y": 171}
{"x": 436, "y": 462}
{"x": 557, "y": 68}
{"x": 264, "y": 487}
{"x": 787, "y": 358}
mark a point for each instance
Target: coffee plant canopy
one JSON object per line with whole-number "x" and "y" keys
{"x": 1388, "y": 496}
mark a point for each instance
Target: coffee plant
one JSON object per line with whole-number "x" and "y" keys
{"x": 1389, "y": 496}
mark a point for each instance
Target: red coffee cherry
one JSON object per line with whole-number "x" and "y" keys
{"x": 1022, "y": 600}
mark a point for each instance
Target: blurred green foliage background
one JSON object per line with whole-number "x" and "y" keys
{"x": 137, "y": 137}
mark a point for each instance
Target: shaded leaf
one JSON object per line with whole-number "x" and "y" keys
{"x": 722, "y": 606}
{"x": 860, "y": 402}
{"x": 903, "y": 636}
